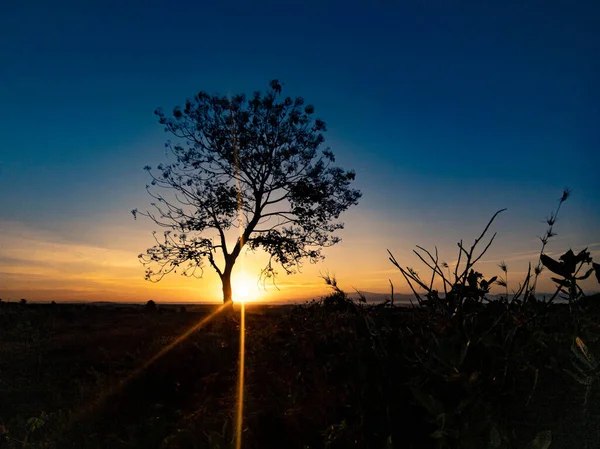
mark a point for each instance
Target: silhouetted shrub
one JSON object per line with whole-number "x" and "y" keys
{"x": 472, "y": 355}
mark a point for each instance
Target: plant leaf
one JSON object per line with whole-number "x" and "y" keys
{"x": 583, "y": 380}
{"x": 586, "y": 275}
{"x": 388, "y": 443}
{"x": 463, "y": 353}
{"x": 583, "y": 348}
{"x": 563, "y": 282}
{"x": 434, "y": 407}
{"x": 569, "y": 260}
{"x": 597, "y": 270}
{"x": 495, "y": 440}
{"x": 554, "y": 266}
{"x": 439, "y": 433}
{"x": 583, "y": 256}
{"x": 541, "y": 441}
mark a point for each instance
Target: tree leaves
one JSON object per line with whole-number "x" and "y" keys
{"x": 240, "y": 162}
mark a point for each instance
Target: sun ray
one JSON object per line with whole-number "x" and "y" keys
{"x": 178, "y": 340}
{"x": 242, "y": 292}
{"x": 240, "y": 399}
{"x": 116, "y": 388}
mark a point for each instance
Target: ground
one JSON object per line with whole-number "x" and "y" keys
{"x": 319, "y": 376}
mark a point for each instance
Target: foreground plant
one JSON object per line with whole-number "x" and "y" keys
{"x": 587, "y": 368}
{"x": 478, "y": 347}
{"x": 568, "y": 268}
{"x": 467, "y": 285}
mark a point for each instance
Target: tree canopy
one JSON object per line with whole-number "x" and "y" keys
{"x": 254, "y": 164}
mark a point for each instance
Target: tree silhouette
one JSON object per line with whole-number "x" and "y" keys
{"x": 254, "y": 165}
{"x": 151, "y": 305}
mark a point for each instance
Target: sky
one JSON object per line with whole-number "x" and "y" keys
{"x": 446, "y": 110}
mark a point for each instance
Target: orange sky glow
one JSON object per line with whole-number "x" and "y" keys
{"x": 43, "y": 266}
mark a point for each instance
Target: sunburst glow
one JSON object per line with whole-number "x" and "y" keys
{"x": 242, "y": 291}
{"x": 244, "y": 288}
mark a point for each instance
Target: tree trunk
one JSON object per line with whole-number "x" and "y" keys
{"x": 227, "y": 292}
{"x": 226, "y": 281}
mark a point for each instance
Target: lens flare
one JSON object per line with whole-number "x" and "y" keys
{"x": 240, "y": 401}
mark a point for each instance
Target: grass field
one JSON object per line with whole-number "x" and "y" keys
{"x": 330, "y": 374}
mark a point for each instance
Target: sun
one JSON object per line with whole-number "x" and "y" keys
{"x": 241, "y": 291}
{"x": 243, "y": 288}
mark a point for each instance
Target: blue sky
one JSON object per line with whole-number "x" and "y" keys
{"x": 448, "y": 111}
